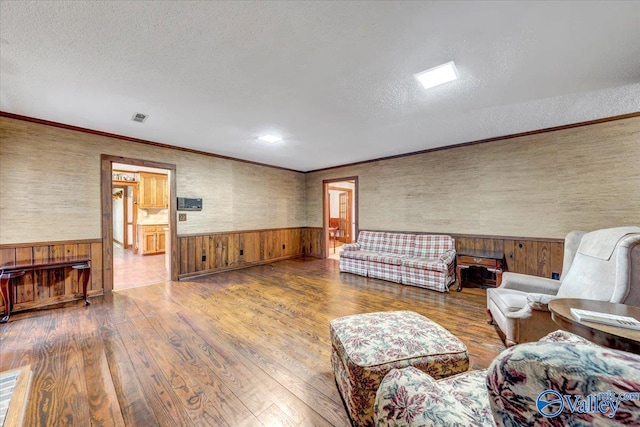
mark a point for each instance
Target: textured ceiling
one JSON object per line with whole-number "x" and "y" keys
{"x": 335, "y": 79}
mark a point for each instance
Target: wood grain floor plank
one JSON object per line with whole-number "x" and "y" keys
{"x": 188, "y": 371}
{"x": 274, "y": 416}
{"x": 58, "y": 380}
{"x": 107, "y": 312}
{"x": 101, "y": 393}
{"x": 219, "y": 363}
{"x": 132, "y": 400}
{"x": 166, "y": 405}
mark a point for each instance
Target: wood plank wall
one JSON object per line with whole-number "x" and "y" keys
{"x": 214, "y": 252}
{"x": 533, "y": 256}
{"x": 46, "y": 287}
{"x": 313, "y": 242}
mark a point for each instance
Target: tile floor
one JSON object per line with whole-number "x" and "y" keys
{"x": 335, "y": 254}
{"x": 133, "y": 270}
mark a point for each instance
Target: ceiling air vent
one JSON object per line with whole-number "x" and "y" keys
{"x": 139, "y": 117}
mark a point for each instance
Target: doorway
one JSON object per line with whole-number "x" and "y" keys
{"x": 340, "y": 209}
{"x": 139, "y": 211}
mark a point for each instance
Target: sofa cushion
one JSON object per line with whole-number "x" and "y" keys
{"x": 425, "y": 264}
{"x": 399, "y": 243}
{"x": 508, "y": 300}
{"x": 432, "y": 245}
{"x": 380, "y": 338}
{"x": 372, "y": 241}
{"x": 386, "y": 258}
{"x": 361, "y": 255}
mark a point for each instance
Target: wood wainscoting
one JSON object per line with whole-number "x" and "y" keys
{"x": 47, "y": 287}
{"x": 313, "y": 242}
{"x": 221, "y": 251}
{"x": 533, "y": 256}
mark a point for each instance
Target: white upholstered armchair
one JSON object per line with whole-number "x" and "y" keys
{"x": 601, "y": 265}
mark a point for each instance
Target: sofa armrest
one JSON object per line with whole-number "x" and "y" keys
{"x": 520, "y": 374}
{"x": 409, "y": 397}
{"x": 351, "y": 247}
{"x": 529, "y": 284}
{"x": 448, "y": 257}
{"x": 539, "y": 301}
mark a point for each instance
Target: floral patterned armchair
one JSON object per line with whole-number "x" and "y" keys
{"x": 562, "y": 374}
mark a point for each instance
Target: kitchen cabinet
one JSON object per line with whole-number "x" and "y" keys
{"x": 154, "y": 193}
{"x": 151, "y": 239}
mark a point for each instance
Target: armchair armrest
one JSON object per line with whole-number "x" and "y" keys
{"x": 448, "y": 256}
{"x": 521, "y": 373}
{"x": 539, "y": 301}
{"x": 565, "y": 337}
{"x": 351, "y": 247}
{"x": 529, "y": 284}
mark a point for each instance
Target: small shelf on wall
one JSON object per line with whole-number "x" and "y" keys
{"x": 124, "y": 176}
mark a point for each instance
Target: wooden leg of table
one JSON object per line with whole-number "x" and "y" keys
{"x": 6, "y": 298}
{"x": 498, "y": 277}
{"x": 86, "y": 275}
{"x": 85, "y": 270}
{"x": 459, "y": 277}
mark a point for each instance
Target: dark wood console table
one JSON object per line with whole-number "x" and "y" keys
{"x": 606, "y": 335}
{"x": 492, "y": 261}
{"x": 11, "y": 270}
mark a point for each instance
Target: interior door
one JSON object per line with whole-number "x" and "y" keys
{"x": 345, "y": 218}
{"x": 119, "y": 215}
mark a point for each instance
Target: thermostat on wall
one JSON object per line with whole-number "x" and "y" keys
{"x": 185, "y": 204}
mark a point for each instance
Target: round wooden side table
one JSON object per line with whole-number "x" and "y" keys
{"x": 608, "y": 336}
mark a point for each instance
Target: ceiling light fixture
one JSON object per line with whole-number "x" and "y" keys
{"x": 438, "y": 75}
{"x": 270, "y": 138}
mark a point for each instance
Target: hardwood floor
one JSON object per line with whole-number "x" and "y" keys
{"x": 243, "y": 348}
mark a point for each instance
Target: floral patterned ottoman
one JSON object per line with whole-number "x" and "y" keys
{"x": 365, "y": 347}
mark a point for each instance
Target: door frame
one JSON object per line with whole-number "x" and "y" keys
{"x": 325, "y": 209}
{"x": 106, "y": 184}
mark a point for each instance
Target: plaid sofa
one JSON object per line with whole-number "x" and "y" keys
{"x": 422, "y": 260}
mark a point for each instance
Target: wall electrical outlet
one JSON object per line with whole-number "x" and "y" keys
{"x": 241, "y": 252}
{"x": 204, "y": 257}
{"x": 182, "y": 217}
